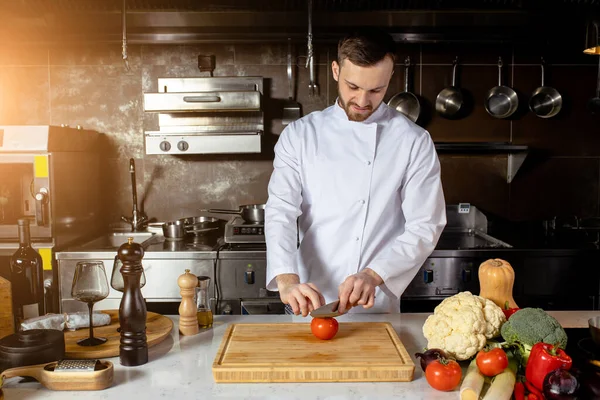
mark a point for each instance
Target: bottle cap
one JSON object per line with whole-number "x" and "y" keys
{"x": 23, "y": 222}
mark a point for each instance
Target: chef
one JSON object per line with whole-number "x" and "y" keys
{"x": 358, "y": 186}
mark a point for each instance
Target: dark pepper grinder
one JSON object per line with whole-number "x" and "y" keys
{"x": 133, "y": 349}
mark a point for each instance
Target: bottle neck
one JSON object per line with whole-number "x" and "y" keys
{"x": 24, "y": 236}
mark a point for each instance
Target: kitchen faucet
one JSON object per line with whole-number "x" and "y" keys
{"x": 138, "y": 219}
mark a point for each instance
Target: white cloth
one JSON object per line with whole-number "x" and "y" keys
{"x": 356, "y": 195}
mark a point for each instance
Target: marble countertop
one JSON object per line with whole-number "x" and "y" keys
{"x": 180, "y": 368}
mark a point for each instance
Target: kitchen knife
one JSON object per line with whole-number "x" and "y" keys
{"x": 327, "y": 311}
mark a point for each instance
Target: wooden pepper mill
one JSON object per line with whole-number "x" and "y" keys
{"x": 133, "y": 349}
{"x": 188, "y": 316}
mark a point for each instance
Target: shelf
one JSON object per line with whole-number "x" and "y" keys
{"x": 516, "y": 153}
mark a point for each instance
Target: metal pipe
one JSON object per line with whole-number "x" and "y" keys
{"x": 133, "y": 184}
{"x": 124, "y": 26}
{"x": 312, "y": 86}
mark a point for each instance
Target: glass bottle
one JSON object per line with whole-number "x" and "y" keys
{"x": 26, "y": 278}
{"x": 205, "y": 316}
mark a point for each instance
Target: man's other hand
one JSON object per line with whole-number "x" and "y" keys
{"x": 359, "y": 289}
{"x": 302, "y": 297}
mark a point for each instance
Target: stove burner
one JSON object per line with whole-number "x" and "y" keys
{"x": 239, "y": 231}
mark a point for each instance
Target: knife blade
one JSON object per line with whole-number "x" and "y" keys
{"x": 329, "y": 310}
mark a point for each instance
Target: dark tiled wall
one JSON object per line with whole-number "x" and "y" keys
{"x": 88, "y": 85}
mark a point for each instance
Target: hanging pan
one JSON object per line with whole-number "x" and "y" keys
{"x": 406, "y": 102}
{"x": 449, "y": 101}
{"x": 545, "y": 102}
{"x": 501, "y": 101}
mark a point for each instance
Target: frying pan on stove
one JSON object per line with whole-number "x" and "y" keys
{"x": 253, "y": 213}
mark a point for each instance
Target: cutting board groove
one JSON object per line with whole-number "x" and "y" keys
{"x": 288, "y": 352}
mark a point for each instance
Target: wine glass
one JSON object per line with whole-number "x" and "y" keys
{"x": 90, "y": 285}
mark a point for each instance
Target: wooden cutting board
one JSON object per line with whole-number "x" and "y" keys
{"x": 6, "y": 309}
{"x": 158, "y": 328}
{"x": 288, "y": 352}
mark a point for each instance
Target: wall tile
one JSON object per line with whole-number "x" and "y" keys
{"x": 103, "y": 98}
{"x": 555, "y": 186}
{"x": 201, "y": 184}
{"x": 24, "y": 55}
{"x": 24, "y": 91}
{"x": 95, "y": 54}
{"x": 563, "y": 53}
{"x": 445, "y": 53}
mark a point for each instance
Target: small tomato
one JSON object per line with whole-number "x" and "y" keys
{"x": 492, "y": 362}
{"x": 443, "y": 374}
{"x": 324, "y": 328}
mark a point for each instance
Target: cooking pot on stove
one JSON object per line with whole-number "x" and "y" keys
{"x": 34, "y": 346}
{"x": 202, "y": 225}
{"x": 253, "y": 213}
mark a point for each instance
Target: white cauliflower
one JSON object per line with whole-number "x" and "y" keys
{"x": 461, "y": 325}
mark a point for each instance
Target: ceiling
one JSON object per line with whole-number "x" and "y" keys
{"x": 35, "y": 7}
{"x": 190, "y": 21}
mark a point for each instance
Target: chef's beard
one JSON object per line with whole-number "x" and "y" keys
{"x": 352, "y": 116}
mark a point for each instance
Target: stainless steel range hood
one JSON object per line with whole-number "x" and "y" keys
{"x": 188, "y": 21}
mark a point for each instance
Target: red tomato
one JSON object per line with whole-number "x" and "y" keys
{"x": 492, "y": 362}
{"x": 324, "y": 328}
{"x": 443, "y": 374}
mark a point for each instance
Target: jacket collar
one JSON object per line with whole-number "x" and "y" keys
{"x": 377, "y": 117}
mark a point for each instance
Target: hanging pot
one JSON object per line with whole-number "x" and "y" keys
{"x": 406, "y": 102}
{"x": 501, "y": 101}
{"x": 545, "y": 102}
{"x": 449, "y": 101}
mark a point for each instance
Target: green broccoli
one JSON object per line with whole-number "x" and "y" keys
{"x": 529, "y": 326}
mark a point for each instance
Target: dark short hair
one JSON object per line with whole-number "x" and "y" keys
{"x": 366, "y": 47}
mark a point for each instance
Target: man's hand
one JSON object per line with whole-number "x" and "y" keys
{"x": 302, "y": 297}
{"x": 359, "y": 289}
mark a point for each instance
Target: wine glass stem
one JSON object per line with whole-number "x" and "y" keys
{"x": 91, "y": 306}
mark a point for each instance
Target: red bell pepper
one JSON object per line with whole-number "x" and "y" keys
{"x": 545, "y": 357}
{"x": 509, "y": 311}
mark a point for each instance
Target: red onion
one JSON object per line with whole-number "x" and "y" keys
{"x": 560, "y": 384}
{"x": 430, "y": 355}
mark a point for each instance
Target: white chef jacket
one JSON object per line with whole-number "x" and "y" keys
{"x": 356, "y": 195}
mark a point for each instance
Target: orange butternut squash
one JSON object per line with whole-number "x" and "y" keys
{"x": 496, "y": 279}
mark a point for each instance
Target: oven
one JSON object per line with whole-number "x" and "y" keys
{"x": 50, "y": 175}
{"x": 206, "y": 115}
{"x": 241, "y": 283}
